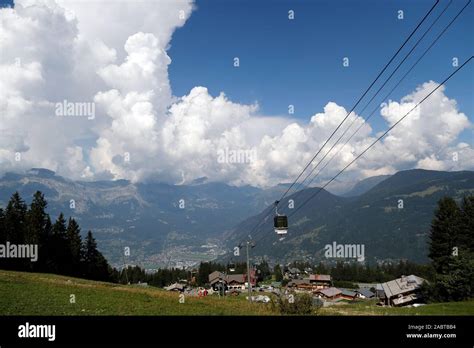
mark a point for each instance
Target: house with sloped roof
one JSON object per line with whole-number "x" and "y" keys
{"x": 300, "y": 284}
{"x": 348, "y": 294}
{"x": 236, "y": 281}
{"x": 365, "y": 293}
{"x": 217, "y": 280}
{"x": 320, "y": 281}
{"x": 402, "y": 291}
{"x": 331, "y": 293}
{"x": 216, "y": 275}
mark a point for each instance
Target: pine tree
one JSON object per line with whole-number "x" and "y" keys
{"x": 466, "y": 232}
{"x": 73, "y": 234}
{"x": 37, "y": 231}
{"x": 15, "y": 229}
{"x": 95, "y": 265}
{"x": 59, "y": 247}
{"x": 203, "y": 273}
{"x": 444, "y": 232}
{"x": 15, "y": 219}
{"x": 3, "y": 236}
{"x": 264, "y": 270}
{"x": 278, "y": 273}
{"x": 36, "y": 219}
{"x": 450, "y": 250}
{"x": 45, "y": 255}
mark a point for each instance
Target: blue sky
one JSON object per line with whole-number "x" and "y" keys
{"x": 299, "y": 61}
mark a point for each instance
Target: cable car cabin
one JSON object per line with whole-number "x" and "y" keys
{"x": 280, "y": 222}
{"x": 231, "y": 267}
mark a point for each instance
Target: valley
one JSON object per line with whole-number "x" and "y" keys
{"x": 179, "y": 226}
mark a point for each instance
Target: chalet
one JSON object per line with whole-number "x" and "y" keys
{"x": 217, "y": 280}
{"x": 402, "y": 291}
{"x": 300, "y": 284}
{"x": 347, "y": 294}
{"x": 236, "y": 281}
{"x": 329, "y": 293}
{"x": 376, "y": 288}
{"x": 320, "y": 281}
{"x": 365, "y": 293}
{"x": 216, "y": 275}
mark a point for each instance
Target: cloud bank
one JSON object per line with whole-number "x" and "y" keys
{"x": 63, "y": 50}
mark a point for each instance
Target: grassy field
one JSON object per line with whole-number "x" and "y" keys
{"x": 370, "y": 308}
{"x": 47, "y": 294}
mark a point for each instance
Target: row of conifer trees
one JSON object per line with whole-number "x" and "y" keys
{"x": 61, "y": 249}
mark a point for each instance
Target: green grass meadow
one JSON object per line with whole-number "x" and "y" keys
{"x": 47, "y": 294}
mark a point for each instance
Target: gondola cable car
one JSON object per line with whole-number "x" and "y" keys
{"x": 280, "y": 222}
{"x": 231, "y": 266}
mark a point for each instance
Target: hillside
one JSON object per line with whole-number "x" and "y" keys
{"x": 372, "y": 219}
{"x": 48, "y": 294}
{"x": 147, "y": 217}
{"x": 365, "y": 185}
{"x": 216, "y": 217}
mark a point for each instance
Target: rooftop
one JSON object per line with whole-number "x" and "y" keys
{"x": 402, "y": 285}
{"x": 348, "y": 292}
{"x": 320, "y": 277}
{"x": 330, "y": 292}
{"x": 366, "y": 292}
{"x": 238, "y": 278}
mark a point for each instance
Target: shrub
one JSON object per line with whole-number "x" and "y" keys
{"x": 302, "y": 304}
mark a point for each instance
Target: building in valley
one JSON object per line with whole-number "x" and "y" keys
{"x": 402, "y": 291}
{"x": 329, "y": 293}
{"x": 320, "y": 281}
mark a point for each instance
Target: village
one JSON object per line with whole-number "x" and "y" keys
{"x": 403, "y": 291}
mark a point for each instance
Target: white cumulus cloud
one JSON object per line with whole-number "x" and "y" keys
{"x": 116, "y": 58}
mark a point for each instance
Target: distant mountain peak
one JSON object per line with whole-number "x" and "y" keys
{"x": 46, "y": 173}
{"x": 199, "y": 181}
{"x": 365, "y": 185}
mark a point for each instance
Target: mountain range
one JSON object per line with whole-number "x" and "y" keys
{"x": 162, "y": 224}
{"x": 391, "y": 219}
{"x": 179, "y": 225}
